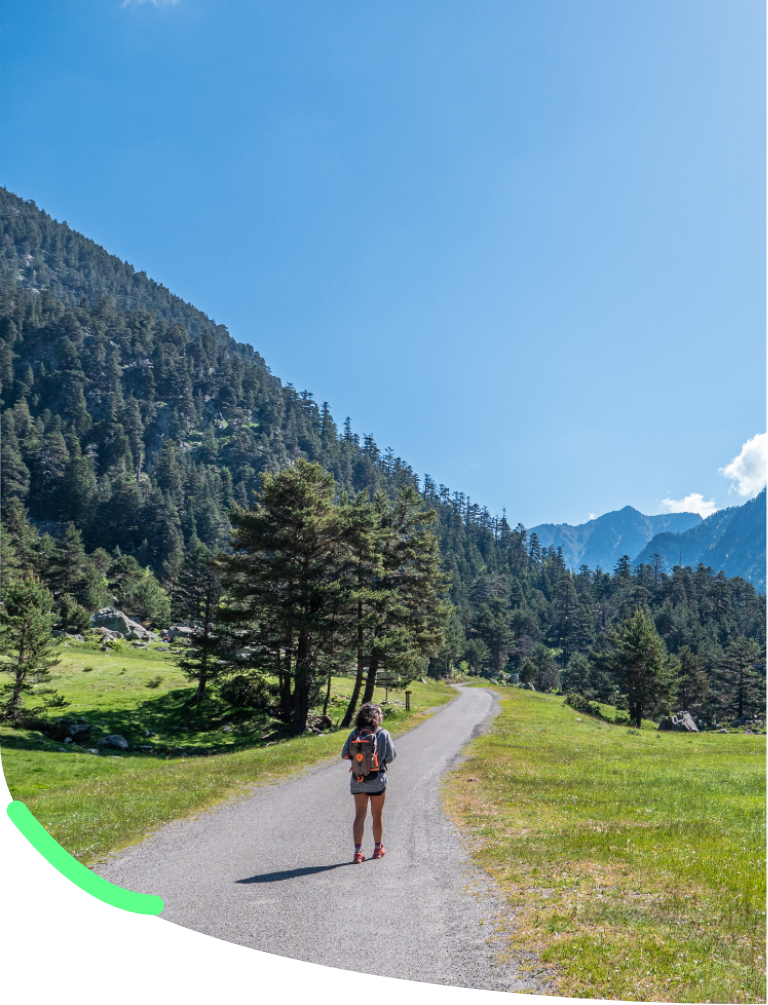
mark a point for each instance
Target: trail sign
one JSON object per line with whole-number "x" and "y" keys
{"x": 387, "y": 680}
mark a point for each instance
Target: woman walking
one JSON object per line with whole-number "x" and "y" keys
{"x": 370, "y": 749}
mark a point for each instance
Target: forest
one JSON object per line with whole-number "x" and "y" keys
{"x": 138, "y": 436}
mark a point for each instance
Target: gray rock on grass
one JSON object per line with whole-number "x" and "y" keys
{"x": 118, "y": 623}
{"x": 114, "y": 741}
{"x": 681, "y": 722}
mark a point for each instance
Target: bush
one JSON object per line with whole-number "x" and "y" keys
{"x": 154, "y": 681}
{"x": 244, "y": 692}
{"x": 73, "y": 617}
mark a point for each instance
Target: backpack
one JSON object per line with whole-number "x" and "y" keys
{"x": 364, "y": 754}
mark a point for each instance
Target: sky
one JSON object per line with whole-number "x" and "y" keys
{"x": 522, "y": 244}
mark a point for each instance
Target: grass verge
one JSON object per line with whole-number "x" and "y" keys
{"x": 94, "y": 805}
{"x": 634, "y": 860}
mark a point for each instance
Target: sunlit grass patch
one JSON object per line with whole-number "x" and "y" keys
{"x": 200, "y": 756}
{"x": 634, "y": 859}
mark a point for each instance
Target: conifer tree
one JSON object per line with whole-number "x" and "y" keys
{"x": 196, "y": 599}
{"x": 26, "y": 646}
{"x": 286, "y": 576}
{"x": 636, "y": 660}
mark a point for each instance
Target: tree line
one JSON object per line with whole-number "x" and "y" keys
{"x": 313, "y": 584}
{"x": 134, "y": 429}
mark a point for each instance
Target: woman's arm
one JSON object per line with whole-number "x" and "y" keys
{"x": 390, "y": 753}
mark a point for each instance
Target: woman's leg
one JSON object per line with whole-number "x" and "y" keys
{"x": 361, "y": 811}
{"x": 377, "y": 808}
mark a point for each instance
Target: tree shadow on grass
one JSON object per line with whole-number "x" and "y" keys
{"x": 175, "y": 728}
{"x": 276, "y": 877}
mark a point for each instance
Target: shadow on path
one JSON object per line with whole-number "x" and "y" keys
{"x": 275, "y": 877}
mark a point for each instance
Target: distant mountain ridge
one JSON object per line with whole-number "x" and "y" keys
{"x": 731, "y": 540}
{"x": 601, "y": 542}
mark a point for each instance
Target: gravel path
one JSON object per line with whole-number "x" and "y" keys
{"x": 273, "y": 872}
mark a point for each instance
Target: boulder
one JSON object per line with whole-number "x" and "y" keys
{"x": 114, "y": 742}
{"x": 320, "y": 721}
{"x": 179, "y": 631}
{"x": 682, "y": 722}
{"x": 118, "y": 623}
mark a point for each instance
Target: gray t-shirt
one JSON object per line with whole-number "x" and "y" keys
{"x": 386, "y": 751}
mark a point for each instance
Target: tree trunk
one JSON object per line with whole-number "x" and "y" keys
{"x": 370, "y": 680}
{"x": 286, "y": 698}
{"x": 300, "y": 702}
{"x": 347, "y": 720}
{"x": 327, "y": 695}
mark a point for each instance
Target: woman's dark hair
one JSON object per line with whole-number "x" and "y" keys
{"x": 369, "y": 716}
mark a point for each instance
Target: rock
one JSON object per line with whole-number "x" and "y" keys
{"x": 114, "y": 741}
{"x": 117, "y": 622}
{"x": 69, "y": 729}
{"x": 138, "y": 645}
{"x": 67, "y": 739}
{"x": 227, "y": 729}
{"x": 148, "y": 732}
{"x": 179, "y": 631}
{"x": 146, "y": 746}
{"x": 682, "y": 722}
{"x": 722, "y": 730}
{"x": 90, "y": 750}
{"x": 107, "y": 635}
{"x": 321, "y": 721}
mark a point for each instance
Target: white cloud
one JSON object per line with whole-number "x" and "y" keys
{"x": 593, "y": 516}
{"x": 693, "y": 503}
{"x": 748, "y": 470}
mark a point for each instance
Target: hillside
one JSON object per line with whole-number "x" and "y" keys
{"x": 132, "y": 424}
{"x": 732, "y": 540}
{"x": 601, "y": 542}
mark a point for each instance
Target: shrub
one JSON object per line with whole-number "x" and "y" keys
{"x": 154, "y": 681}
{"x": 243, "y": 692}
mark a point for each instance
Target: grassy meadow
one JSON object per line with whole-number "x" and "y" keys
{"x": 94, "y": 804}
{"x": 634, "y": 860}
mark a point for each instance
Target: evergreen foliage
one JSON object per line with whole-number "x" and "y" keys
{"x": 135, "y": 430}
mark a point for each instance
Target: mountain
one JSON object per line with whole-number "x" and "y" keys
{"x": 601, "y": 542}
{"x": 132, "y": 424}
{"x": 731, "y": 540}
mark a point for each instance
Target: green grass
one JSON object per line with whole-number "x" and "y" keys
{"x": 634, "y": 860}
{"x": 94, "y": 805}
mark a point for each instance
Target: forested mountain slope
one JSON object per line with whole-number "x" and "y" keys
{"x": 131, "y": 421}
{"x": 732, "y": 540}
{"x": 601, "y": 542}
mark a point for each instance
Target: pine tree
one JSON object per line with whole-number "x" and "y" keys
{"x": 14, "y": 480}
{"x": 636, "y": 660}
{"x": 287, "y": 577}
{"x": 411, "y": 610}
{"x": 196, "y": 599}
{"x": 26, "y": 645}
{"x": 741, "y": 674}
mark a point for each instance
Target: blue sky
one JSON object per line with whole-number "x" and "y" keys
{"x": 522, "y": 243}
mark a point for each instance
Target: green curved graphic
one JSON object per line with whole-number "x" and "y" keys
{"x": 76, "y": 872}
